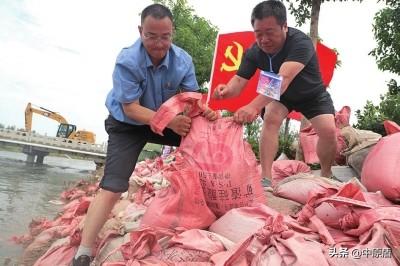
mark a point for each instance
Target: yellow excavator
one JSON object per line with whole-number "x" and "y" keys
{"x": 65, "y": 130}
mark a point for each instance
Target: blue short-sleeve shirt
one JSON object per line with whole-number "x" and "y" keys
{"x": 135, "y": 78}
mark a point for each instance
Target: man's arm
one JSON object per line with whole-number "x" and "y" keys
{"x": 137, "y": 112}
{"x": 232, "y": 89}
{"x": 180, "y": 124}
{"x": 288, "y": 72}
{"x": 249, "y": 112}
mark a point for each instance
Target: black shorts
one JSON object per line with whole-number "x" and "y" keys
{"x": 320, "y": 104}
{"x": 125, "y": 142}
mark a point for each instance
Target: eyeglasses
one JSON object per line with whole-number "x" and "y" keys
{"x": 154, "y": 38}
{"x": 268, "y": 34}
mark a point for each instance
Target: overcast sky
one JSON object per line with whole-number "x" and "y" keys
{"x": 60, "y": 54}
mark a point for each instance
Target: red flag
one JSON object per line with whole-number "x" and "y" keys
{"x": 228, "y": 55}
{"x": 327, "y": 61}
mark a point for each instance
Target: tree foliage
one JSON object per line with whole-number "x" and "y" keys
{"x": 252, "y": 133}
{"x": 386, "y": 28}
{"x": 194, "y": 34}
{"x": 372, "y": 116}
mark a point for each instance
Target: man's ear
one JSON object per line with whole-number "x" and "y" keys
{"x": 140, "y": 29}
{"x": 285, "y": 27}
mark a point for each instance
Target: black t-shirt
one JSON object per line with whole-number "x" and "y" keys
{"x": 298, "y": 47}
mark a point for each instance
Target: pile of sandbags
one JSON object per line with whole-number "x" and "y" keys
{"x": 206, "y": 206}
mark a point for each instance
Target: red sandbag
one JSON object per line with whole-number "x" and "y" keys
{"x": 299, "y": 187}
{"x": 276, "y": 243}
{"x": 157, "y": 246}
{"x": 181, "y": 204}
{"x": 191, "y": 246}
{"x": 216, "y": 151}
{"x": 342, "y": 118}
{"x": 381, "y": 169}
{"x": 60, "y": 253}
{"x": 285, "y": 168}
{"x": 309, "y": 140}
{"x": 224, "y": 162}
{"x": 391, "y": 127}
{"x": 238, "y": 224}
{"x": 371, "y": 250}
{"x": 184, "y": 102}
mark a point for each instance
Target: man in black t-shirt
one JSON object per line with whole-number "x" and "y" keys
{"x": 289, "y": 53}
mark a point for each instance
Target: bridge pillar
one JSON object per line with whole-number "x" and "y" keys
{"x": 40, "y": 157}
{"x": 30, "y": 158}
{"x": 33, "y": 153}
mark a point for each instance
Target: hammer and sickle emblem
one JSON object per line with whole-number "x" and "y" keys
{"x": 235, "y": 60}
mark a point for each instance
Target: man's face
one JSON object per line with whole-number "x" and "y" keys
{"x": 156, "y": 35}
{"x": 270, "y": 36}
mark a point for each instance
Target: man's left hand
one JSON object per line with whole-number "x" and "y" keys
{"x": 210, "y": 114}
{"x": 245, "y": 114}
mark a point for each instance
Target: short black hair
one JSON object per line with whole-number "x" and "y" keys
{"x": 270, "y": 8}
{"x": 157, "y": 11}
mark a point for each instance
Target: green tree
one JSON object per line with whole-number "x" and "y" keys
{"x": 252, "y": 135}
{"x": 387, "y": 54}
{"x": 372, "y": 116}
{"x": 386, "y": 28}
{"x": 194, "y": 34}
{"x": 1, "y": 126}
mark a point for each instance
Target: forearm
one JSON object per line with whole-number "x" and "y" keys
{"x": 138, "y": 113}
{"x": 236, "y": 85}
{"x": 288, "y": 72}
{"x": 285, "y": 84}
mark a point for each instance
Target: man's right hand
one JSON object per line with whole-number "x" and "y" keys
{"x": 221, "y": 91}
{"x": 180, "y": 125}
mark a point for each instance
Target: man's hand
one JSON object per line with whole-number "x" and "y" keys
{"x": 221, "y": 91}
{"x": 180, "y": 125}
{"x": 245, "y": 114}
{"x": 208, "y": 113}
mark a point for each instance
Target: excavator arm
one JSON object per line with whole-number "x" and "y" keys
{"x": 29, "y": 110}
{"x": 65, "y": 130}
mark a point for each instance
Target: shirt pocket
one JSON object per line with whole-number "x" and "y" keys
{"x": 169, "y": 90}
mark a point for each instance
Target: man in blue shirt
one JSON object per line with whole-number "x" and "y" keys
{"x": 146, "y": 74}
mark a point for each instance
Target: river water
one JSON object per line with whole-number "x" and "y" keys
{"x": 27, "y": 191}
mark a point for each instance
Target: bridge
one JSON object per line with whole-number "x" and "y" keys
{"x": 36, "y": 146}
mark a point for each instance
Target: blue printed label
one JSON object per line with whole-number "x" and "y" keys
{"x": 269, "y": 85}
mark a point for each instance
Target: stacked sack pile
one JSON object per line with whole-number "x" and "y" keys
{"x": 204, "y": 205}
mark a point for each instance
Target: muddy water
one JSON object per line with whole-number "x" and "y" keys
{"x": 29, "y": 191}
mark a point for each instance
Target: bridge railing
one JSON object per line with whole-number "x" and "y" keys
{"x": 52, "y": 141}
